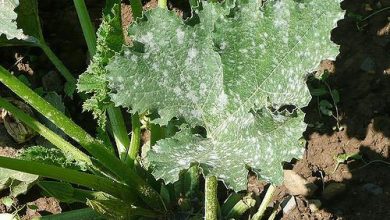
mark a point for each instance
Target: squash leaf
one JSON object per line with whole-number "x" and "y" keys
{"x": 19, "y": 23}
{"x": 239, "y": 72}
{"x": 93, "y": 80}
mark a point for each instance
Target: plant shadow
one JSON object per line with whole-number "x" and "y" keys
{"x": 361, "y": 72}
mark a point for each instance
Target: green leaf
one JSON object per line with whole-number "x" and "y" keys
{"x": 80, "y": 214}
{"x": 17, "y": 182}
{"x": 93, "y": 80}
{"x": 65, "y": 192}
{"x": 326, "y": 107}
{"x": 229, "y": 73}
{"x": 319, "y": 92}
{"x": 20, "y": 21}
{"x": 117, "y": 209}
{"x": 51, "y": 156}
{"x": 7, "y": 201}
{"x": 335, "y": 96}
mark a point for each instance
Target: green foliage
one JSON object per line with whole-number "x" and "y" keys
{"x": 51, "y": 156}
{"x": 21, "y": 26}
{"x": 233, "y": 75}
{"x": 232, "y": 71}
{"x": 109, "y": 41}
{"x": 17, "y": 182}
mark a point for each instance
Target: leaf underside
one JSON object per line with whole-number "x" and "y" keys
{"x": 231, "y": 73}
{"x": 8, "y": 18}
{"x": 19, "y": 22}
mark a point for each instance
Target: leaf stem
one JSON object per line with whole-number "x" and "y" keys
{"x": 51, "y": 136}
{"x": 135, "y": 137}
{"x": 86, "y": 25}
{"x": 95, "y": 148}
{"x": 266, "y": 200}
{"x": 162, "y": 3}
{"x": 95, "y": 182}
{"x": 119, "y": 130}
{"x": 211, "y": 203}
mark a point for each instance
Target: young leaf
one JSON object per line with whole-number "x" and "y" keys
{"x": 51, "y": 156}
{"x": 227, "y": 73}
{"x": 93, "y": 80}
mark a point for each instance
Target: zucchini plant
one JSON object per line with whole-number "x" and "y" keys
{"x": 234, "y": 77}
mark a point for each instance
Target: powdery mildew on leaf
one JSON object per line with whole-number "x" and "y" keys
{"x": 8, "y": 16}
{"x": 178, "y": 73}
{"x": 225, "y": 74}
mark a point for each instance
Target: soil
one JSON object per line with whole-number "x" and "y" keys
{"x": 361, "y": 74}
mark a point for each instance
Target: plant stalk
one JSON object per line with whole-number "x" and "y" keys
{"x": 211, "y": 203}
{"x": 115, "y": 115}
{"x": 86, "y": 25}
{"x": 119, "y": 130}
{"x": 95, "y": 148}
{"x": 135, "y": 137}
{"x": 266, "y": 200}
{"x": 69, "y": 175}
{"x": 58, "y": 64}
{"x": 56, "y": 140}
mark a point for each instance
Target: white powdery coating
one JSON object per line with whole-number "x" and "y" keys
{"x": 263, "y": 60}
{"x": 180, "y": 35}
{"x": 8, "y": 17}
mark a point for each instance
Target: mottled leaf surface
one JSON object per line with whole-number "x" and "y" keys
{"x": 19, "y": 21}
{"x": 8, "y": 17}
{"x": 230, "y": 73}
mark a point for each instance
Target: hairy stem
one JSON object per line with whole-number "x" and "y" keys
{"x": 86, "y": 25}
{"x": 68, "y": 175}
{"x": 95, "y": 148}
{"x": 56, "y": 140}
{"x": 135, "y": 137}
{"x": 58, "y": 64}
{"x": 266, "y": 200}
{"x": 119, "y": 130}
{"x": 211, "y": 203}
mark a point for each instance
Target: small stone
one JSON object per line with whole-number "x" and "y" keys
{"x": 332, "y": 190}
{"x": 314, "y": 205}
{"x": 297, "y": 185}
{"x": 288, "y": 204}
{"x": 373, "y": 189}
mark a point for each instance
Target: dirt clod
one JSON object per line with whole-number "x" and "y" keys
{"x": 314, "y": 205}
{"x": 297, "y": 185}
